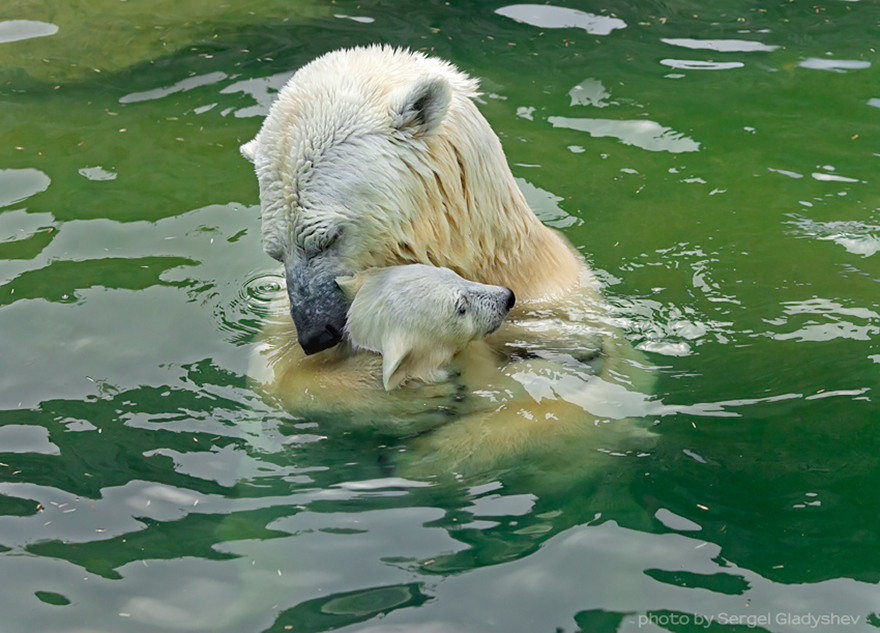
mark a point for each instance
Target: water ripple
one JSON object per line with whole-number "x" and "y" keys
{"x": 693, "y": 64}
{"x": 858, "y": 238}
{"x": 260, "y": 289}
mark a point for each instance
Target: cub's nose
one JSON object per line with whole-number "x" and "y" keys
{"x": 511, "y": 299}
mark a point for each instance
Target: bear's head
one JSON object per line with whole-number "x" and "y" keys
{"x": 418, "y": 317}
{"x": 375, "y": 157}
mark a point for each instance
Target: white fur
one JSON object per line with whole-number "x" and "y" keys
{"x": 388, "y": 147}
{"x": 418, "y": 317}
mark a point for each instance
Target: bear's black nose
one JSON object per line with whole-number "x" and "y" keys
{"x": 318, "y": 340}
{"x": 511, "y": 299}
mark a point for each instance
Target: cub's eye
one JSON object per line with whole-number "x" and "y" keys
{"x": 461, "y": 306}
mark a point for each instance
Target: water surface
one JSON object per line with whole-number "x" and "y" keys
{"x": 717, "y": 165}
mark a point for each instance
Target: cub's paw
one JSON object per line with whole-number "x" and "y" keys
{"x": 445, "y": 385}
{"x": 417, "y": 407}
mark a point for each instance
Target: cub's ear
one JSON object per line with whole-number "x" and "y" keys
{"x": 394, "y": 353}
{"x": 350, "y": 285}
{"x": 421, "y": 108}
{"x": 249, "y": 150}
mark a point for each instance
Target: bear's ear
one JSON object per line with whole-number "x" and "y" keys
{"x": 394, "y": 353}
{"x": 422, "y": 107}
{"x": 249, "y": 150}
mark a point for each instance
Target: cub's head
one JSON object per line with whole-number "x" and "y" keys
{"x": 370, "y": 157}
{"x": 418, "y": 317}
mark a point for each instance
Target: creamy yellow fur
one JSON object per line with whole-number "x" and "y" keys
{"x": 442, "y": 196}
{"x": 440, "y": 193}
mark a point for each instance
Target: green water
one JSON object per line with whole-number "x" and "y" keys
{"x": 731, "y": 210}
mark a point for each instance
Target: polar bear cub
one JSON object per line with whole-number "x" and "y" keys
{"x": 418, "y": 317}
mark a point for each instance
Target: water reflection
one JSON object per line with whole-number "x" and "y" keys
{"x": 676, "y": 522}
{"x": 264, "y": 90}
{"x": 546, "y": 206}
{"x": 693, "y": 64}
{"x": 15, "y": 30}
{"x": 723, "y": 46}
{"x": 834, "y": 65}
{"x": 832, "y": 177}
{"x": 97, "y": 173}
{"x": 17, "y": 185}
{"x": 181, "y": 86}
{"x": 20, "y": 438}
{"x": 785, "y": 172}
{"x": 589, "y": 92}
{"x": 32, "y": 232}
{"x": 552, "y": 17}
{"x": 836, "y": 321}
{"x": 648, "y": 135}
{"x": 102, "y": 302}
{"x": 356, "y": 18}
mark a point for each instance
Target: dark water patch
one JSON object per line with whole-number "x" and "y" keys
{"x": 14, "y": 506}
{"x": 721, "y": 583}
{"x": 60, "y": 281}
{"x": 102, "y": 455}
{"x": 345, "y": 609}
{"x": 343, "y": 531}
{"x": 27, "y": 247}
{"x": 52, "y": 598}
{"x": 598, "y": 621}
{"x": 194, "y": 535}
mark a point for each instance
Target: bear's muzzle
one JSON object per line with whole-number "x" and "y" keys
{"x": 317, "y": 304}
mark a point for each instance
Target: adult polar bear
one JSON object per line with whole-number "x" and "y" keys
{"x": 375, "y": 157}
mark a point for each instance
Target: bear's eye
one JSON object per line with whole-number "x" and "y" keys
{"x": 320, "y": 241}
{"x": 331, "y": 236}
{"x": 461, "y": 306}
